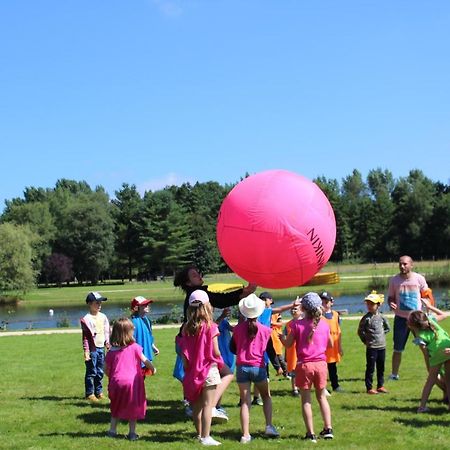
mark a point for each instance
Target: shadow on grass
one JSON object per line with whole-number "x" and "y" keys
{"x": 158, "y": 412}
{"x": 418, "y": 423}
{"x": 51, "y": 398}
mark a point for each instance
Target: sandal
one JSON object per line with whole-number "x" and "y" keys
{"x": 132, "y": 436}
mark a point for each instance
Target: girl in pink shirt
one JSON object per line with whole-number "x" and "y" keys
{"x": 202, "y": 362}
{"x": 249, "y": 343}
{"x": 312, "y": 337}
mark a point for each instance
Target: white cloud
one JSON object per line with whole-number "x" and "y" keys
{"x": 155, "y": 184}
{"x": 168, "y": 7}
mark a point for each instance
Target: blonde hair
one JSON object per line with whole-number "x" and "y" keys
{"x": 122, "y": 332}
{"x": 314, "y": 315}
{"x": 196, "y": 316}
{"x": 420, "y": 321}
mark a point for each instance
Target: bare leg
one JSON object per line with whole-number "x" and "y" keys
{"x": 324, "y": 407}
{"x": 396, "y": 361}
{"x": 113, "y": 425}
{"x": 207, "y": 403}
{"x": 132, "y": 427}
{"x": 263, "y": 388}
{"x": 431, "y": 380}
{"x": 226, "y": 377}
{"x": 307, "y": 410}
{"x": 246, "y": 401}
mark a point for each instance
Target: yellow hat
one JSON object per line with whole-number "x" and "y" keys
{"x": 375, "y": 298}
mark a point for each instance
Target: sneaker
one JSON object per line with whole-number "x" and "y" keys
{"x": 218, "y": 416}
{"x": 271, "y": 431}
{"x": 310, "y": 437}
{"x": 209, "y": 441}
{"x": 372, "y": 391}
{"x": 257, "y": 401}
{"x": 132, "y": 436}
{"x": 100, "y": 396}
{"x": 382, "y": 390}
{"x": 295, "y": 393}
{"x": 326, "y": 433}
{"x": 423, "y": 409}
{"x": 111, "y": 434}
{"x": 245, "y": 439}
{"x": 188, "y": 411}
{"x": 394, "y": 377}
{"x": 327, "y": 393}
{"x": 92, "y": 398}
{"x": 221, "y": 409}
{"x": 338, "y": 389}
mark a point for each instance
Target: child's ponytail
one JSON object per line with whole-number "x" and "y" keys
{"x": 315, "y": 315}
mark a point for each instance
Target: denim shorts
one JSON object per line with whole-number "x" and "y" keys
{"x": 247, "y": 374}
{"x": 401, "y": 333}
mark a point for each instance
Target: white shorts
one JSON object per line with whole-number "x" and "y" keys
{"x": 213, "y": 378}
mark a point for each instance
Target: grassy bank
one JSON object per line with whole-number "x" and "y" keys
{"x": 42, "y": 404}
{"x": 354, "y": 279}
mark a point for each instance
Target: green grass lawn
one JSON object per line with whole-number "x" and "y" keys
{"x": 42, "y": 405}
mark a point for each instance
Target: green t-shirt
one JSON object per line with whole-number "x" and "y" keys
{"x": 435, "y": 343}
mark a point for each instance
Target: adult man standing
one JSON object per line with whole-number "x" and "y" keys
{"x": 403, "y": 297}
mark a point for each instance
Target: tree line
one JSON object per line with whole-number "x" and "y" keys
{"x": 73, "y": 232}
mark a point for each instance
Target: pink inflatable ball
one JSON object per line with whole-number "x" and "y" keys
{"x": 276, "y": 229}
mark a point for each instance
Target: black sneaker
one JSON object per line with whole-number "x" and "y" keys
{"x": 326, "y": 433}
{"x": 310, "y": 437}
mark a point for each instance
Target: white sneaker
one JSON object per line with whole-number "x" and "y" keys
{"x": 394, "y": 377}
{"x": 271, "y": 431}
{"x": 209, "y": 441}
{"x": 218, "y": 416}
{"x": 327, "y": 393}
{"x": 245, "y": 439}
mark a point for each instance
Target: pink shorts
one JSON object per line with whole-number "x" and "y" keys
{"x": 311, "y": 374}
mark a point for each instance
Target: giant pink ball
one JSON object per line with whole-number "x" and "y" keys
{"x": 276, "y": 229}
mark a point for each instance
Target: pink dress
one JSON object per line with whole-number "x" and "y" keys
{"x": 199, "y": 352}
{"x": 126, "y": 387}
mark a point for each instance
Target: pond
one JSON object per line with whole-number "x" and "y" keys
{"x": 17, "y": 317}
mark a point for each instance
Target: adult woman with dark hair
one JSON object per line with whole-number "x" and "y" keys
{"x": 189, "y": 279}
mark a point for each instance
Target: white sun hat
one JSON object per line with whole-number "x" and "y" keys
{"x": 251, "y": 306}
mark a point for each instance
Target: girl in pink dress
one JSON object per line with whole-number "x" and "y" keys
{"x": 126, "y": 387}
{"x": 202, "y": 361}
{"x": 312, "y": 338}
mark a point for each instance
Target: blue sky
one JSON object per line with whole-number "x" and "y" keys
{"x": 157, "y": 92}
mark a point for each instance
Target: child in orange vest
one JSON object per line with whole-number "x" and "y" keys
{"x": 334, "y": 353}
{"x": 291, "y": 352}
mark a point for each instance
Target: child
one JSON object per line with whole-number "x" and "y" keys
{"x": 372, "y": 331}
{"x": 202, "y": 362}
{"x": 334, "y": 353}
{"x": 291, "y": 353}
{"x": 312, "y": 337}
{"x": 95, "y": 337}
{"x": 126, "y": 388}
{"x": 249, "y": 342}
{"x": 437, "y": 342}
{"x": 143, "y": 335}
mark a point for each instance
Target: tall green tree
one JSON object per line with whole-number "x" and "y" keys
{"x": 16, "y": 258}
{"x": 126, "y": 212}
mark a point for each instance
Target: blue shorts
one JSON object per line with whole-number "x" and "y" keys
{"x": 247, "y": 374}
{"x": 401, "y": 333}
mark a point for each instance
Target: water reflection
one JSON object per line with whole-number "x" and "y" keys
{"x": 28, "y": 317}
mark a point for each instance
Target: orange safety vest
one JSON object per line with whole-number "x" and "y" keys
{"x": 291, "y": 352}
{"x": 277, "y": 328}
{"x": 335, "y": 332}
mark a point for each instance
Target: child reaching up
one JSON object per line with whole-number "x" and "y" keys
{"x": 372, "y": 331}
{"x": 202, "y": 361}
{"x": 126, "y": 387}
{"x": 249, "y": 342}
{"x": 143, "y": 334}
{"x": 437, "y": 341}
{"x": 291, "y": 353}
{"x": 312, "y": 338}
